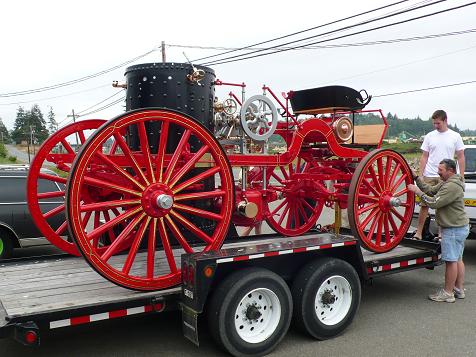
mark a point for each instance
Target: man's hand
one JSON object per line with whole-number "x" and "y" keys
{"x": 415, "y": 189}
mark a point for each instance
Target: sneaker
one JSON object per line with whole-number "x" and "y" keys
{"x": 459, "y": 294}
{"x": 442, "y": 296}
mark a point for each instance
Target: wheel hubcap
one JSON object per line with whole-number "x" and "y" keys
{"x": 333, "y": 300}
{"x": 257, "y": 315}
{"x": 157, "y": 200}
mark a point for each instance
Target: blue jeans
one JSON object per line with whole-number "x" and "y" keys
{"x": 452, "y": 243}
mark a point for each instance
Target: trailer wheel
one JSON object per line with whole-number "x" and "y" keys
{"x": 250, "y": 312}
{"x": 326, "y": 295}
{"x": 6, "y": 245}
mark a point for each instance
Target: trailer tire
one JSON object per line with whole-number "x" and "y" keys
{"x": 326, "y": 295}
{"x": 250, "y": 312}
{"x": 6, "y": 244}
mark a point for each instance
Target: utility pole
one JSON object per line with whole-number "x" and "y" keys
{"x": 28, "y": 146}
{"x": 163, "y": 52}
{"x": 76, "y": 133}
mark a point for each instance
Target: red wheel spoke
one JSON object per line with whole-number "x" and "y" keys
{"x": 368, "y": 218}
{"x": 113, "y": 148}
{"x": 370, "y": 233}
{"x": 279, "y": 179}
{"x": 201, "y": 176}
{"x": 285, "y": 211}
{"x": 290, "y": 214}
{"x": 144, "y": 145}
{"x": 151, "y": 246}
{"x": 169, "y": 254}
{"x": 392, "y": 223}
{"x": 82, "y": 137}
{"x": 405, "y": 204}
{"x": 53, "y": 194}
{"x": 160, "y": 164}
{"x": 386, "y": 228}
{"x": 375, "y": 179}
{"x": 110, "y": 232}
{"x": 114, "y": 246}
{"x": 130, "y": 156}
{"x": 85, "y": 220}
{"x": 109, "y": 225}
{"x": 285, "y": 174}
{"x": 67, "y": 147}
{"x": 399, "y": 182}
{"x": 198, "y": 212}
{"x": 108, "y": 185}
{"x": 302, "y": 211}
{"x": 131, "y": 256}
{"x": 58, "y": 179}
{"x": 283, "y": 202}
{"x": 394, "y": 174}
{"x": 118, "y": 169}
{"x": 108, "y": 205}
{"x": 378, "y": 237}
{"x": 371, "y": 188}
{"x": 178, "y": 151}
{"x": 96, "y": 225}
{"x": 54, "y": 211}
{"x": 190, "y": 164}
{"x": 191, "y": 227}
{"x": 199, "y": 195}
{"x": 61, "y": 229}
{"x": 399, "y": 216}
{"x": 367, "y": 208}
{"x": 178, "y": 235}
{"x": 312, "y": 209}
{"x": 399, "y": 193}
{"x": 381, "y": 176}
{"x": 388, "y": 168}
{"x": 367, "y": 197}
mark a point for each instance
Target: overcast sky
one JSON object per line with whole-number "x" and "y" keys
{"x": 49, "y": 42}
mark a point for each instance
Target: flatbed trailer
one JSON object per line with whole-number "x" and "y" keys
{"x": 60, "y": 291}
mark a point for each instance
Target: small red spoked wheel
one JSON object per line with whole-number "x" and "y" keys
{"x": 297, "y": 205}
{"x": 46, "y": 191}
{"x": 380, "y": 205}
{"x": 157, "y": 192}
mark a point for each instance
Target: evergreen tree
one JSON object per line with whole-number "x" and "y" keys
{"x": 38, "y": 124}
{"x": 21, "y": 132}
{"x": 52, "y": 124}
{"x": 4, "y": 134}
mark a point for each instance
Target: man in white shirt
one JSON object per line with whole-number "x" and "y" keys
{"x": 441, "y": 143}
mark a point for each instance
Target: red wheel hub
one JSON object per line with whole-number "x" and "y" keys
{"x": 157, "y": 200}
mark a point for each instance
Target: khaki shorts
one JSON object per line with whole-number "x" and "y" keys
{"x": 430, "y": 181}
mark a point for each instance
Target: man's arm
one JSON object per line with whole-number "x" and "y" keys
{"x": 423, "y": 161}
{"x": 461, "y": 163}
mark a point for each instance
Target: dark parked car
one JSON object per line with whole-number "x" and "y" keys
{"x": 17, "y": 229}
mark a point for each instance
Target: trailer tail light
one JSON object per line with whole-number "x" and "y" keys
{"x": 31, "y": 337}
{"x": 191, "y": 275}
{"x": 208, "y": 272}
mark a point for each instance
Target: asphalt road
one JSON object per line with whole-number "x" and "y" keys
{"x": 395, "y": 318}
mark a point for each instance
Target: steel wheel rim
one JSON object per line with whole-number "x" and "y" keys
{"x": 145, "y": 220}
{"x": 333, "y": 300}
{"x": 383, "y": 175}
{"x": 262, "y": 302}
{"x": 298, "y": 205}
{"x": 63, "y": 163}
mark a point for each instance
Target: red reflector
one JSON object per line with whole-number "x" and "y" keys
{"x": 31, "y": 337}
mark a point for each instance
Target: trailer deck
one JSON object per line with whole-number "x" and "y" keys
{"x": 64, "y": 291}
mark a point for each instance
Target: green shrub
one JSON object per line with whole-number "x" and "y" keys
{"x": 12, "y": 158}
{"x": 3, "y": 150}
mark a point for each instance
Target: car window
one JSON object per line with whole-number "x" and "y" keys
{"x": 470, "y": 159}
{"x": 47, "y": 186}
{"x": 12, "y": 189}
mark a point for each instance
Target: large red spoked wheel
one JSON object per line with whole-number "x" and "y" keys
{"x": 297, "y": 205}
{"x": 46, "y": 191}
{"x": 380, "y": 205}
{"x": 168, "y": 184}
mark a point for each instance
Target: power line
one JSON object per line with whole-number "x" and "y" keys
{"x": 424, "y": 89}
{"x": 58, "y": 96}
{"x": 343, "y": 36}
{"x": 103, "y": 107}
{"x": 102, "y": 101}
{"x": 302, "y": 31}
{"x": 354, "y": 44}
{"x": 74, "y": 81}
